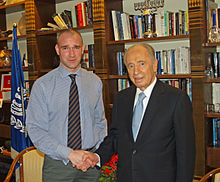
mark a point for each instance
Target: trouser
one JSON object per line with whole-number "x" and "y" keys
{"x": 57, "y": 171}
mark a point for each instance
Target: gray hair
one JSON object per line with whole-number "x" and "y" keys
{"x": 148, "y": 47}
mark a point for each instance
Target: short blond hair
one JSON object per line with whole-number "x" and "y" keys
{"x": 68, "y": 31}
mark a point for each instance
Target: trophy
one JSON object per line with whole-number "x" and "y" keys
{"x": 148, "y": 8}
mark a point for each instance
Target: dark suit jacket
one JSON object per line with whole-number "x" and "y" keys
{"x": 165, "y": 147}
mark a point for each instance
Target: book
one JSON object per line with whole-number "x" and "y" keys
{"x": 64, "y": 17}
{"x": 90, "y": 13}
{"x": 91, "y": 56}
{"x": 77, "y": 16}
{"x": 58, "y": 21}
{"x": 74, "y": 17}
{"x": 52, "y": 25}
{"x": 131, "y": 23}
{"x": 84, "y": 13}
{"x": 62, "y": 20}
{"x": 120, "y": 27}
{"x": 68, "y": 14}
{"x": 215, "y": 93}
{"x": 115, "y": 25}
{"x": 186, "y": 22}
{"x": 80, "y": 14}
{"x": 126, "y": 26}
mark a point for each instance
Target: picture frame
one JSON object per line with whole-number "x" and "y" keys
{"x": 6, "y": 82}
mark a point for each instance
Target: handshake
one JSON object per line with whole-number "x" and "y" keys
{"x": 83, "y": 160}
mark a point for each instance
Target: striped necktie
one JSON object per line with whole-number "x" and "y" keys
{"x": 74, "y": 128}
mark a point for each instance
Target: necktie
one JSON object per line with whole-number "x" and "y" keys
{"x": 137, "y": 114}
{"x": 74, "y": 128}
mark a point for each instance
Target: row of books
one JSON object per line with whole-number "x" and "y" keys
{"x": 79, "y": 16}
{"x": 174, "y": 61}
{"x": 213, "y": 68}
{"x": 181, "y": 83}
{"x": 88, "y": 59}
{"x": 122, "y": 70}
{"x": 216, "y": 131}
{"x": 172, "y": 23}
{"x": 123, "y": 84}
{"x": 164, "y": 23}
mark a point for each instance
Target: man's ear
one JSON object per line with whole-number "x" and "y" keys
{"x": 155, "y": 64}
{"x": 57, "y": 49}
{"x": 83, "y": 48}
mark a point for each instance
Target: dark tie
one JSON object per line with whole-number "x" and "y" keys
{"x": 137, "y": 114}
{"x": 74, "y": 128}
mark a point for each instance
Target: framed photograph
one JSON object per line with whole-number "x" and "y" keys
{"x": 6, "y": 82}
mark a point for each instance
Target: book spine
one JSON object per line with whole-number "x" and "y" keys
{"x": 62, "y": 21}
{"x": 84, "y": 13}
{"x": 58, "y": 21}
{"x": 120, "y": 28}
{"x": 63, "y": 16}
{"x": 90, "y": 13}
{"x": 74, "y": 17}
{"x": 80, "y": 14}
{"x": 186, "y": 22}
{"x": 52, "y": 25}
{"x": 68, "y": 16}
{"x": 124, "y": 26}
{"x": 115, "y": 25}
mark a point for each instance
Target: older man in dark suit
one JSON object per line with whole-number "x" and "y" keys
{"x": 153, "y": 135}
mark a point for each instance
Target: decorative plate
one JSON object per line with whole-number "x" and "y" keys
{"x": 2, "y": 2}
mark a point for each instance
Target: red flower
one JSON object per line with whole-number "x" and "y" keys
{"x": 109, "y": 170}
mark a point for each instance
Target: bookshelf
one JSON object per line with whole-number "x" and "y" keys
{"x": 159, "y": 43}
{"x": 39, "y": 46}
{"x": 207, "y": 156}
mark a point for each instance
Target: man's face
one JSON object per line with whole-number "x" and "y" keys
{"x": 70, "y": 49}
{"x": 141, "y": 69}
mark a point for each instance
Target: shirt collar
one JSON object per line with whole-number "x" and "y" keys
{"x": 148, "y": 90}
{"x": 65, "y": 73}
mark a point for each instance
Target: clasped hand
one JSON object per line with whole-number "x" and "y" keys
{"x": 83, "y": 159}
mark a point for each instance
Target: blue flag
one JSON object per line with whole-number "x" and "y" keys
{"x": 19, "y": 138}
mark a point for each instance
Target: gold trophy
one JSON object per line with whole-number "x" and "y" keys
{"x": 148, "y": 8}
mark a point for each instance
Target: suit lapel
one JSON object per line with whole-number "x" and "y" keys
{"x": 151, "y": 109}
{"x": 130, "y": 99}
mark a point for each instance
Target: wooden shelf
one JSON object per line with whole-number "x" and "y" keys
{"x": 80, "y": 29}
{"x": 211, "y": 44}
{"x": 21, "y": 3}
{"x": 10, "y": 38}
{"x": 213, "y": 159}
{"x": 167, "y": 76}
{"x": 212, "y": 115}
{"x": 118, "y": 76}
{"x": 5, "y": 131}
{"x": 212, "y": 80}
{"x": 165, "y": 38}
{"x": 9, "y": 69}
{"x": 172, "y": 76}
